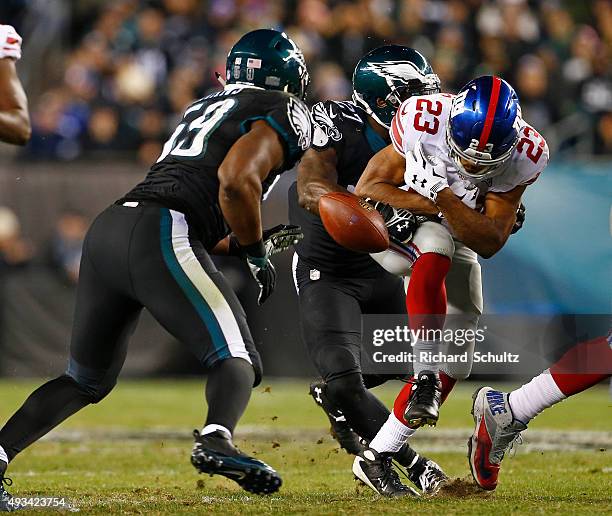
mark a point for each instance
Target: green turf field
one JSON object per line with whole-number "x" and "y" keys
{"x": 130, "y": 454}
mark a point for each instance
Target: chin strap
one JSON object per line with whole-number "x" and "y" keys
{"x": 220, "y": 79}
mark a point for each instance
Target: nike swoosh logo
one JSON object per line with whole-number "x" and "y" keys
{"x": 238, "y": 475}
{"x": 483, "y": 467}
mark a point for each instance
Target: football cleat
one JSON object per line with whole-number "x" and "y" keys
{"x": 340, "y": 429}
{"x": 495, "y": 433}
{"x": 421, "y": 471}
{"x": 215, "y": 454}
{"x": 376, "y": 471}
{"x": 6, "y": 500}
{"x": 427, "y": 476}
{"x": 424, "y": 402}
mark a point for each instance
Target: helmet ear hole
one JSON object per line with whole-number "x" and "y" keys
{"x": 381, "y": 103}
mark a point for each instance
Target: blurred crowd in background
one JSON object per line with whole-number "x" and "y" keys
{"x": 108, "y": 80}
{"x": 129, "y": 67}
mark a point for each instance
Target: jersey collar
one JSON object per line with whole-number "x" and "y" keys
{"x": 375, "y": 140}
{"x": 241, "y": 85}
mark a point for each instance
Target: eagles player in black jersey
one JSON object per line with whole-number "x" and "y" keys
{"x": 335, "y": 285}
{"x": 151, "y": 249}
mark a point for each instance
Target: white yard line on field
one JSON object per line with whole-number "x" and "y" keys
{"x": 428, "y": 439}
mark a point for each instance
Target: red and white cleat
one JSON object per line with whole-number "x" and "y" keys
{"x": 495, "y": 433}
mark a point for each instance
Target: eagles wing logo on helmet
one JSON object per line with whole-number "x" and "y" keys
{"x": 395, "y": 70}
{"x": 299, "y": 118}
{"x": 324, "y": 120}
{"x": 295, "y": 53}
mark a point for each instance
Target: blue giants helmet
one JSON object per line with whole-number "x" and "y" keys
{"x": 483, "y": 128}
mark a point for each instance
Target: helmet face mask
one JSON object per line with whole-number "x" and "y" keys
{"x": 387, "y": 76}
{"x": 473, "y": 164}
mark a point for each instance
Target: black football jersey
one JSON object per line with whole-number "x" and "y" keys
{"x": 184, "y": 178}
{"x": 344, "y": 127}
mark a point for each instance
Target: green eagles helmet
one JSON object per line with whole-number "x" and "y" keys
{"x": 387, "y": 76}
{"x": 268, "y": 59}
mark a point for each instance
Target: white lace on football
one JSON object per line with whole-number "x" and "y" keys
{"x": 10, "y": 43}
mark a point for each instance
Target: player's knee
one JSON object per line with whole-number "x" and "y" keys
{"x": 237, "y": 366}
{"x": 432, "y": 237}
{"x": 94, "y": 384}
{"x": 337, "y": 359}
{"x": 346, "y": 391}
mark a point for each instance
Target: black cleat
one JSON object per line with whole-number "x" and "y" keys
{"x": 341, "y": 431}
{"x": 215, "y": 454}
{"x": 424, "y": 473}
{"x": 424, "y": 403}
{"x": 376, "y": 471}
{"x": 427, "y": 476}
{"x": 6, "y": 500}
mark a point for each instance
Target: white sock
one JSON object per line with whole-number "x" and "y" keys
{"x": 209, "y": 429}
{"x": 532, "y": 398}
{"x": 423, "y": 349}
{"x": 3, "y": 456}
{"x": 392, "y": 435}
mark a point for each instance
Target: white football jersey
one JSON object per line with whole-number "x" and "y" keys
{"x": 10, "y": 43}
{"x": 425, "y": 119}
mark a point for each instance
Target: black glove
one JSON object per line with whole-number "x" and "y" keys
{"x": 520, "y": 219}
{"x": 275, "y": 240}
{"x": 261, "y": 268}
{"x": 401, "y": 224}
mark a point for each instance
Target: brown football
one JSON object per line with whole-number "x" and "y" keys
{"x": 353, "y": 223}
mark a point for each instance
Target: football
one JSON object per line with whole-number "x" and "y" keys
{"x": 353, "y": 223}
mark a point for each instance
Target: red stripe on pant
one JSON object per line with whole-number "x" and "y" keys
{"x": 426, "y": 296}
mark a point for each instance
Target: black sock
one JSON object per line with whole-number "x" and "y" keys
{"x": 46, "y": 408}
{"x": 405, "y": 456}
{"x": 228, "y": 391}
{"x": 363, "y": 411}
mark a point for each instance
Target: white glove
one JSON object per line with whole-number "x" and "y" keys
{"x": 425, "y": 174}
{"x": 10, "y": 43}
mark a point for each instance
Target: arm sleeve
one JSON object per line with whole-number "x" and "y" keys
{"x": 327, "y": 132}
{"x": 291, "y": 119}
{"x": 402, "y": 133}
{"x": 535, "y": 156}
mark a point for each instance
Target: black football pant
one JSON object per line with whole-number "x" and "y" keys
{"x": 330, "y": 319}
{"x": 144, "y": 255}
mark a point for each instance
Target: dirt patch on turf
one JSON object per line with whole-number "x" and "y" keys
{"x": 462, "y": 488}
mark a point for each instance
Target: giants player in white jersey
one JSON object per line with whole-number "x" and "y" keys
{"x": 463, "y": 161}
{"x": 14, "y": 118}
